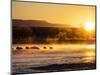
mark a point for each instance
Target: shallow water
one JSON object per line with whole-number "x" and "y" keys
{"x": 23, "y": 59}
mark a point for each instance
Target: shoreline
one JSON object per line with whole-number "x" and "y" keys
{"x": 60, "y": 68}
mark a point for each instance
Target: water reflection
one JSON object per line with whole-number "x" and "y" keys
{"x": 71, "y": 53}
{"x": 89, "y": 56}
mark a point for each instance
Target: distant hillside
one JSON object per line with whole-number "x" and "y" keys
{"x": 34, "y": 23}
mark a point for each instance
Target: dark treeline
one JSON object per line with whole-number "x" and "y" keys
{"x": 24, "y": 32}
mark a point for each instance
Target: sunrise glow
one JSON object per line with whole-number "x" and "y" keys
{"x": 89, "y": 26}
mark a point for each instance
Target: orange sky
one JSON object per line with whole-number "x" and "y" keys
{"x": 54, "y": 13}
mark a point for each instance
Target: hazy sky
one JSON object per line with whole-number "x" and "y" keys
{"x": 54, "y": 13}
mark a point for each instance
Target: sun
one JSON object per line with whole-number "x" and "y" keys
{"x": 89, "y": 26}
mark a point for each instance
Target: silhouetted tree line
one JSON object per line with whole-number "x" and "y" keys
{"x": 45, "y": 34}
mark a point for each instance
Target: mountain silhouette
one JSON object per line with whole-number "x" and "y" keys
{"x": 34, "y": 23}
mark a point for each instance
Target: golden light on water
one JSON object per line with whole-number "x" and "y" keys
{"x": 89, "y": 26}
{"x": 89, "y": 57}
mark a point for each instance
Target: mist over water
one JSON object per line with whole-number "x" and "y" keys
{"x": 59, "y": 54}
